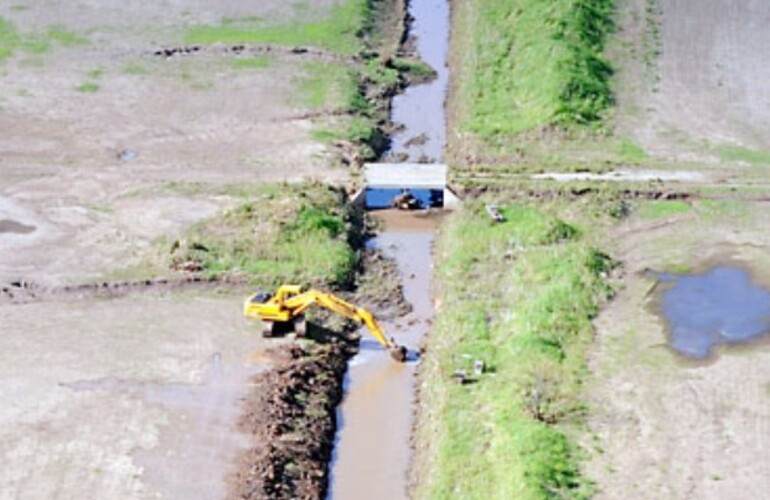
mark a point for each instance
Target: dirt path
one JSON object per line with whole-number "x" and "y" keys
{"x": 707, "y": 90}
{"x": 663, "y": 426}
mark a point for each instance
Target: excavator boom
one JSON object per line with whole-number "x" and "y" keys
{"x": 290, "y": 303}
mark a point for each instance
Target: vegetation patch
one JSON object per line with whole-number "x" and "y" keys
{"x": 360, "y": 87}
{"x": 12, "y": 40}
{"x": 88, "y": 87}
{"x": 534, "y": 64}
{"x": 339, "y": 30}
{"x": 258, "y": 62}
{"x": 744, "y": 155}
{"x": 518, "y": 297}
{"x": 302, "y": 234}
{"x": 661, "y": 209}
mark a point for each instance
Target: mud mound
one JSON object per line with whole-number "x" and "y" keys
{"x": 294, "y": 414}
{"x": 23, "y": 292}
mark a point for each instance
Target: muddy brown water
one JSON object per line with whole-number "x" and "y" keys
{"x": 420, "y": 109}
{"x": 372, "y": 452}
{"x": 14, "y": 227}
{"x": 721, "y": 306}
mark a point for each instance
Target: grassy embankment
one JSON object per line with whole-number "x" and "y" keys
{"x": 529, "y": 83}
{"x": 519, "y": 296}
{"x": 532, "y": 89}
{"x": 281, "y": 233}
{"x": 362, "y": 37}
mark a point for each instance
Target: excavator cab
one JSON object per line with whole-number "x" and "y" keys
{"x": 260, "y": 297}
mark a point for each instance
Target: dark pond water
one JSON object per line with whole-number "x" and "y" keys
{"x": 720, "y": 306}
{"x": 420, "y": 109}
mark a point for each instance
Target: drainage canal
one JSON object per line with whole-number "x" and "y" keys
{"x": 722, "y": 306}
{"x": 372, "y": 451}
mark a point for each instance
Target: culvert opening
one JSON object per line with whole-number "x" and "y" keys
{"x": 721, "y": 306}
{"x": 405, "y": 186}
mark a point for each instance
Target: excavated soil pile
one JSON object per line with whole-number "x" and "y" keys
{"x": 294, "y": 416}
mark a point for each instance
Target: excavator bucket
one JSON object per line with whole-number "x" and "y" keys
{"x": 398, "y": 353}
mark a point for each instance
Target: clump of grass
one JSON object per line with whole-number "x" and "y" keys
{"x": 632, "y": 152}
{"x": 65, "y": 37}
{"x": 11, "y": 40}
{"x": 744, "y": 155}
{"x": 664, "y": 208}
{"x": 329, "y": 86}
{"x": 88, "y": 87}
{"x": 503, "y": 436}
{"x": 95, "y": 73}
{"x": 338, "y": 31}
{"x": 259, "y": 62}
{"x": 135, "y": 68}
{"x": 414, "y": 70}
{"x": 300, "y": 234}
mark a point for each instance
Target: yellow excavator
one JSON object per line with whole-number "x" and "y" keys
{"x": 288, "y": 305}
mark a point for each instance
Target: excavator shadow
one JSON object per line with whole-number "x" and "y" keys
{"x": 323, "y": 335}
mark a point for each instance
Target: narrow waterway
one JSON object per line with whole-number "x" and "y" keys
{"x": 372, "y": 452}
{"x": 376, "y": 416}
{"x": 420, "y": 109}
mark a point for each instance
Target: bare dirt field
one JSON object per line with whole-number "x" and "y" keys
{"x": 102, "y": 140}
{"x": 664, "y": 426}
{"x": 661, "y": 425}
{"x": 707, "y": 90}
{"x": 105, "y": 149}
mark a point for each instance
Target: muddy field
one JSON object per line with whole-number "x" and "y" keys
{"x": 109, "y": 145}
{"x": 696, "y": 86}
{"x": 106, "y": 146}
{"x": 664, "y": 425}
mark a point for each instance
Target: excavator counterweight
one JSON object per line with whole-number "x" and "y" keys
{"x": 288, "y": 305}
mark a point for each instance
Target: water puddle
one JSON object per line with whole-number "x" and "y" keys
{"x": 14, "y": 227}
{"x": 375, "y": 418}
{"x": 719, "y": 307}
{"x": 420, "y": 109}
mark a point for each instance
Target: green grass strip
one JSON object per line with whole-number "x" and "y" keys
{"x": 11, "y": 40}
{"x": 530, "y": 63}
{"x": 338, "y": 31}
{"x": 520, "y": 296}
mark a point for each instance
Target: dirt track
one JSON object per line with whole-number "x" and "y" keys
{"x": 133, "y": 396}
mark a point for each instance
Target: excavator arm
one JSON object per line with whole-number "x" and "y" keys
{"x": 300, "y": 303}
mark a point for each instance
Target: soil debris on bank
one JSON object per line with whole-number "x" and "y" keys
{"x": 293, "y": 416}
